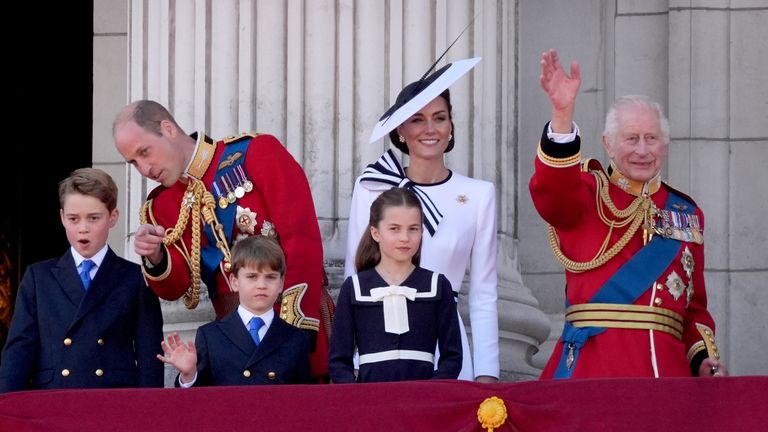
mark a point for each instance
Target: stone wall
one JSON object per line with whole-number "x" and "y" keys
{"x": 317, "y": 74}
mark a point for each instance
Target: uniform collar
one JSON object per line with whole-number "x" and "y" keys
{"x": 202, "y": 156}
{"x": 634, "y": 187}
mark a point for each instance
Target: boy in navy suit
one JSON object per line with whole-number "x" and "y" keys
{"x": 86, "y": 319}
{"x": 250, "y": 345}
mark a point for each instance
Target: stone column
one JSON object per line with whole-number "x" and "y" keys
{"x": 317, "y": 75}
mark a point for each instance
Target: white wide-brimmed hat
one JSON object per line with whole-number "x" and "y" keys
{"x": 418, "y": 94}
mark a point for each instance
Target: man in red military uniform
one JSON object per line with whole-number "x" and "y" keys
{"x": 631, "y": 245}
{"x": 211, "y": 195}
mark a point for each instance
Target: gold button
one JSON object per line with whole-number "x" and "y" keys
{"x": 100, "y": 341}
{"x": 67, "y": 342}
{"x": 99, "y": 372}
{"x": 657, "y": 301}
{"x": 271, "y": 375}
{"x": 247, "y": 373}
{"x": 65, "y": 373}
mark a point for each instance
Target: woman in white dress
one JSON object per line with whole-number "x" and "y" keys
{"x": 459, "y": 212}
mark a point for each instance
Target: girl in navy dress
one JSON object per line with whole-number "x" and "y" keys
{"x": 392, "y": 311}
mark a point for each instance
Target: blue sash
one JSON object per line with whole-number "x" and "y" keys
{"x": 210, "y": 255}
{"x": 629, "y": 282}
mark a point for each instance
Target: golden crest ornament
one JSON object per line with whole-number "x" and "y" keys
{"x": 492, "y": 413}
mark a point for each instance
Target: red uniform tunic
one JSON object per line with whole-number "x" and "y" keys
{"x": 280, "y": 196}
{"x": 565, "y": 196}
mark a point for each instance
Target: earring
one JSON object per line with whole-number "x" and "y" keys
{"x": 402, "y": 138}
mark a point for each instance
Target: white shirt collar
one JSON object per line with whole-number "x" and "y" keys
{"x": 246, "y": 315}
{"x": 97, "y": 259}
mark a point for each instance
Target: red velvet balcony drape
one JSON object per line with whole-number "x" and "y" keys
{"x": 680, "y": 404}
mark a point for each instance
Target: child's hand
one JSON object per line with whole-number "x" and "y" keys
{"x": 177, "y": 354}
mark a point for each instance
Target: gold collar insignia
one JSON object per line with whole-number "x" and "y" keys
{"x": 202, "y": 157}
{"x": 634, "y": 187}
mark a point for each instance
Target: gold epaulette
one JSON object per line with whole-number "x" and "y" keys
{"x": 290, "y": 309}
{"x": 235, "y": 138}
{"x": 591, "y": 164}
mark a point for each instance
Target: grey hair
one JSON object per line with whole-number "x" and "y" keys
{"x": 637, "y": 101}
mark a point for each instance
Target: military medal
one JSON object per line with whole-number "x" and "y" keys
{"x": 247, "y": 184}
{"x": 679, "y": 226}
{"x": 231, "y": 198}
{"x": 223, "y": 203}
{"x": 239, "y": 191}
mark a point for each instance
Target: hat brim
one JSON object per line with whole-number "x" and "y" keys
{"x": 455, "y": 71}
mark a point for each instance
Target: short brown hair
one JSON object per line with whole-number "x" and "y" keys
{"x": 258, "y": 251}
{"x": 92, "y": 182}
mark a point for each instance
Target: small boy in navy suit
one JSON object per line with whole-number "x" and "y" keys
{"x": 86, "y": 319}
{"x": 250, "y": 345}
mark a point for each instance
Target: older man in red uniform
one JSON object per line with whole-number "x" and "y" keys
{"x": 211, "y": 195}
{"x": 631, "y": 245}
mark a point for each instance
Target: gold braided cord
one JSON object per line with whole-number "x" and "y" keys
{"x": 189, "y": 210}
{"x": 192, "y": 296}
{"x": 638, "y": 212}
{"x": 602, "y": 188}
{"x": 209, "y": 215}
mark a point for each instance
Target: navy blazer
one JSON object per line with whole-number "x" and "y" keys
{"x": 62, "y": 336}
{"x": 227, "y": 356}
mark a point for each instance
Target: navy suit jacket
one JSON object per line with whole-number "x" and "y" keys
{"x": 227, "y": 356}
{"x": 62, "y": 336}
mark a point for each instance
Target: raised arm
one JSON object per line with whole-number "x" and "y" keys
{"x": 181, "y": 356}
{"x": 561, "y": 89}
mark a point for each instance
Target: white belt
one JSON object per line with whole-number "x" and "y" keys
{"x": 397, "y": 355}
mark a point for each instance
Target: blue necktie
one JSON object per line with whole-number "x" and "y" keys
{"x": 253, "y": 328}
{"x": 85, "y": 272}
